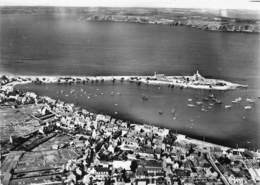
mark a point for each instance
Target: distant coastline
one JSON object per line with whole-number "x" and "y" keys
{"x": 210, "y": 20}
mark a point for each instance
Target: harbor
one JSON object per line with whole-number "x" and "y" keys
{"x": 112, "y": 94}
{"x": 72, "y": 145}
{"x": 188, "y": 111}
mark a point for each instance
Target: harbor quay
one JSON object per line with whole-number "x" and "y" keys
{"x": 48, "y": 141}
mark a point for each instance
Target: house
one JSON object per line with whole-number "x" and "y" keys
{"x": 129, "y": 144}
{"x": 160, "y": 77}
{"x": 146, "y": 153}
{"x": 122, "y": 164}
{"x": 141, "y": 172}
{"x": 101, "y": 172}
{"x": 154, "y": 168}
{"x": 141, "y": 182}
{"x": 182, "y": 173}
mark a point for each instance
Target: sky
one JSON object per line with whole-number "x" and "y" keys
{"x": 211, "y": 4}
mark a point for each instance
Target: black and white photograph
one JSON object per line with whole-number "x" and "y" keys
{"x": 130, "y": 92}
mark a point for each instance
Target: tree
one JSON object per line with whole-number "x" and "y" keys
{"x": 134, "y": 166}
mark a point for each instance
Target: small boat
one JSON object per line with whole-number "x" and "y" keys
{"x": 144, "y": 98}
{"x": 191, "y": 105}
{"x": 217, "y": 101}
{"x": 211, "y": 95}
{"x": 250, "y": 100}
{"x": 237, "y": 100}
{"x": 204, "y": 110}
{"x": 189, "y": 99}
{"x": 115, "y": 112}
{"x": 199, "y": 103}
{"x": 248, "y": 107}
{"x": 228, "y": 106}
{"x": 205, "y": 99}
{"x": 173, "y": 111}
{"x": 116, "y": 104}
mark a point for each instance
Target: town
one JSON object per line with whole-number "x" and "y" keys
{"x": 55, "y": 142}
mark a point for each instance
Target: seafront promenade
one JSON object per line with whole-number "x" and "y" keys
{"x": 74, "y": 146}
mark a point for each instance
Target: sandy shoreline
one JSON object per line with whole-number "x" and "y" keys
{"x": 196, "y": 81}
